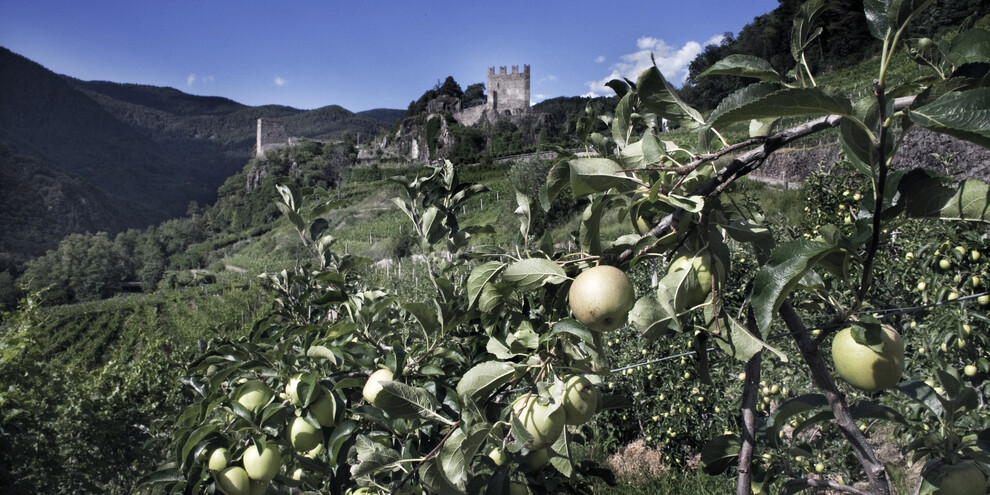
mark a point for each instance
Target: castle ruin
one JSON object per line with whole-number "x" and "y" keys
{"x": 272, "y": 135}
{"x": 508, "y": 94}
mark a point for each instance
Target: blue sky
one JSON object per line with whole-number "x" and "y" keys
{"x": 366, "y": 54}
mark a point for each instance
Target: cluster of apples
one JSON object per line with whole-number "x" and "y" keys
{"x": 259, "y": 464}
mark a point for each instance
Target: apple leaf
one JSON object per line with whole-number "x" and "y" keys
{"x": 924, "y": 195}
{"x": 740, "y": 343}
{"x": 743, "y": 66}
{"x": 720, "y": 454}
{"x": 748, "y": 104}
{"x": 531, "y": 273}
{"x": 961, "y": 114}
{"x": 658, "y": 96}
{"x": 408, "y": 401}
{"x": 923, "y": 394}
{"x": 792, "y": 407}
{"x": 782, "y": 274}
{"x": 481, "y": 381}
{"x": 591, "y": 175}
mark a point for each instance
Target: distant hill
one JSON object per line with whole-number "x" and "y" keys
{"x": 139, "y": 154}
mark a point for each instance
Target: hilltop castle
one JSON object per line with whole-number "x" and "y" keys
{"x": 508, "y": 94}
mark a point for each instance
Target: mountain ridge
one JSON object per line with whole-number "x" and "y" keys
{"x": 150, "y": 150}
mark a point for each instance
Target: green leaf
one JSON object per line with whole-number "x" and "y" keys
{"x": 801, "y": 31}
{"x": 562, "y": 459}
{"x": 530, "y": 273}
{"x": 481, "y": 381}
{"x": 720, "y": 454}
{"x": 962, "y": 114}
{"x": 923, "y": 394}
{"x": 406, "y": 401}
{"x": 788, "y": 102}
{"x": 886, "y": 17}
{"x": 558, "y": 178}
{"x": 372, "y": 457}
{"x": 792, "y": 407}
{"x": 755, "y": 234}
{"x": 589, "y": 233}
{"x": 972, "y": 46}
{"x": 433, "y": 476}
{"x": 868, "y": 334}
{"x": 572, "y": 327}
{"x": 659, "y": 97}
{"x": 924, "y": 196}
{"x": 591, "y": 175}
{"x": 622, "y": 120}
{"x": 737, "y": 341}
{"x": 481, "y": 275}
{"x": 743, "y": 66}
{"x": 523, "y": 214}
{"x": 783, "y": 272}
{"x": 341, "y": 434}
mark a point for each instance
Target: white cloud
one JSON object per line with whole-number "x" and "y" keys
{"x": 194, "y": 79}
{"x": 550, "y": 78}
{"x": 672, "y": 62}
{"x": 600, "y": 59}
{"x": 279, "y": 81}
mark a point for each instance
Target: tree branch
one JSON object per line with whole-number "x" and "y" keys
{"x": 875, "y": 470}
{"x": 798, "y": 484}
{"x": 747, "y": 446}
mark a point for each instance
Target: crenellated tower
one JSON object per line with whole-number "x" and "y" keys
{"x": 508, "y": 93}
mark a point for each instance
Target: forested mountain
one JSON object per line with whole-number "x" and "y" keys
{"x": 845, "y": 41}
{"x": 114, "y": 156}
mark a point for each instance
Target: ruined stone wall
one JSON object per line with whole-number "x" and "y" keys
{"x": 271, "y": 135}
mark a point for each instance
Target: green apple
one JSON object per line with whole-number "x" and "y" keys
{"x": 372, "y": 391}
{"x": 518, "y": 488}
{"x": 964, "y": 478}
{"x": 922, "y": 285}
{"x": 865, "y": 368}
{"x": 253, "y": 394}
{"x": 945, "y": 263}
{"x": 262, "y": 465}
{"x": 983, "y": 300}
{"x": 325, "y": 409}
{"x": 304, "y": 436}
{"x": 234, "y": 481}
{"x": 601, "y": 297}
{"x": 969, "y": 370}
{"x": 580, "y": 400}
{"x": 542, "y": 423}
{"x": 961, "y": 250}
{"x": 699, "y": 288}
{"x": 974, "y": 255}
{"x": 498, "y": 456}
{"x": 219, "y": 459}
{"x": 537, "y": 459}
{"x": 292, "y": 390}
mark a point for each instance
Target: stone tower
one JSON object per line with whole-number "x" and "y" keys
{"x": 271, "y": 135}
{"x": 508, "y": 94}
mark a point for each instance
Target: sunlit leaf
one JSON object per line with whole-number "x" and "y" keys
{"x": 743, "y": 66}
{"x": 962, "y": 114}
{"x": 531, "y": 273}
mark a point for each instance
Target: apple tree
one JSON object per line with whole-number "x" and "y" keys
{"x": 487, "y": 384}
